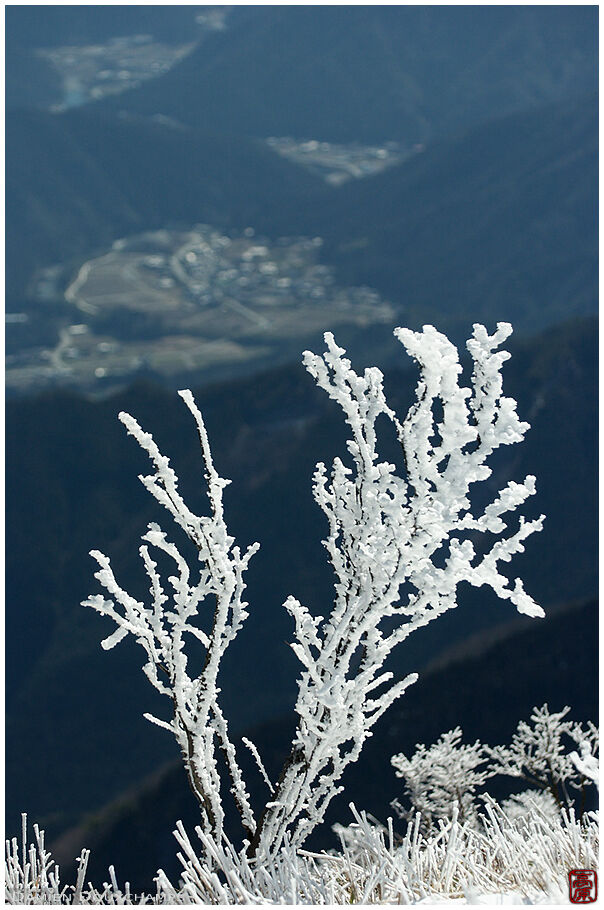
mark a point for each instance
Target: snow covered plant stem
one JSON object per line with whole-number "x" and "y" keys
{"x": 399, "y": 547}
{"x": 197, "y": 722}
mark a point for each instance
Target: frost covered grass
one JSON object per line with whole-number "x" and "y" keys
{"x": 501, "y": 859}
{"x": 459, "y": 844}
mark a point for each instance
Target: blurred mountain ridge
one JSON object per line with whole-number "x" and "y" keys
{"x": 374, "y": 73}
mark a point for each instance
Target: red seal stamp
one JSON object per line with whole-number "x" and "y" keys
{"x": 582, "y": 886}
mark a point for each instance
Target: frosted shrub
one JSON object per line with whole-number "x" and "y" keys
{"x": 444, "y": 778}
{"x": 540, "y": 756}
{"x": 399, "y": 547}
{"x": 527, "y": 802}
{"x": 587, "y": 763}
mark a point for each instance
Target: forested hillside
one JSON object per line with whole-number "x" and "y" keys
{"x": 500, "y": 220}
{"x": 369, "y": 74}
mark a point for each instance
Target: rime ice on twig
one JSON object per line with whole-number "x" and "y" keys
{"x": 384, "y": 532}
{"x": 442, "y": 778}
{"x": 539, "y": 754}
{"x": 197, "y": 721}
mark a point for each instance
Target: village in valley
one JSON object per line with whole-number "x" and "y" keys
{"x": 171, "y": 302}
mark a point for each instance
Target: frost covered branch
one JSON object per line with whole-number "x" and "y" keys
{"x": 385, "y": 533}
{"x": 163, "y": 628}
{"x": 399, "y": 547}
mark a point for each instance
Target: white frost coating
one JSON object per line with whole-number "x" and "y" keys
{"x": 508, "y": 860}
{"x": 163, "y": 627}
{"x": 442, "y": 779}
{"x": 587, "y": 764}
{"x": 539, "y": 755}
{"x": 399, "y": 547}
{"x": 385, "y": 532}
{"x": 250, "y": 745}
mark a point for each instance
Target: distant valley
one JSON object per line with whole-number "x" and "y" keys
{"x": 500, "y": 220}
{"x": 201, "y": 302}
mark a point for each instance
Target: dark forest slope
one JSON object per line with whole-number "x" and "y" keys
{"x": 502, "y": 220}
{"x": 372, "y": 73}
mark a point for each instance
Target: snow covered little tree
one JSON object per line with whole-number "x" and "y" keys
{"x": 539, "y": 755}
{"x": 442, "y": 779}
{"x": 399, "y": 547}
